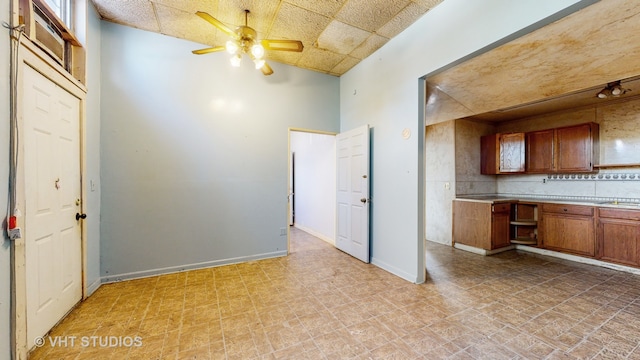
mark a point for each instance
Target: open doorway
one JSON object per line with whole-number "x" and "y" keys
{"x": 312, "y": 183}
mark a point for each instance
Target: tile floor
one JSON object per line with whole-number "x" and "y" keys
{"x": 319, "y": 303}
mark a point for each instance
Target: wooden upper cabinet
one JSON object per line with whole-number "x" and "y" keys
{"x": 577, "y": 148}
{"x": 570, "y": 149}
{"x": 502, "y": 153}
{"x": 540, "y": 151}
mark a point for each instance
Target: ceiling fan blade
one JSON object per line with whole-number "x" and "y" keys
{"x": 208, "y": 50}
{"x": 283, "y": 45}
{"x": 217, "y": 23}
{"x": 266, "y": 69}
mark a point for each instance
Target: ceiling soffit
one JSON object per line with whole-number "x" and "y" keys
{"x": 572, "y": 56}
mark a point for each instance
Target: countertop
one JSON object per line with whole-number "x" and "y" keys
{"x": 496, "y": 199}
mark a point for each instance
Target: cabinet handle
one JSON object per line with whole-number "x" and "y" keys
{"x": 565, "y": 210}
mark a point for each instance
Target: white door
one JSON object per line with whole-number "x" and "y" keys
{"x": 52, "y": 186}
{"x": 353, "y": 192}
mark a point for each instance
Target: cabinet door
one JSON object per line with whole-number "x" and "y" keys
{"x": 511, "y": 153}
{"x": 575, "y": 148}
{"x": 500, "y": 229}
{"x": 472, "y": 224}
{"x": 502, "y": 153}
{"x": 573, "y": 234}
{"x": 540, "y": 151}
{"x": 619, "y": 241}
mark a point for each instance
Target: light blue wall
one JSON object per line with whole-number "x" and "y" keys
{"x": 194, "y": 153}
{"x": 92, "y": 150}
{"x": 5, "y": 256}
{"x": 383, "y": 91}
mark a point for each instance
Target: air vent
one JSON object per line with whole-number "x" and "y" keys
{"x": 48, "y": 36}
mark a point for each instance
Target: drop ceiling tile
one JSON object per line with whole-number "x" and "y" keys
{"x": 187, "y": 25}
{"x": 327, "y": 7}
{"x": 285, "y": 57}
{"x": 344, "y": 65}
{"x": 208, "y": 6}
{"x": 373, "y": 43}
{"x": 319, "y": 59}
{"x": 406, "y": 17}
{"x": 296, "y": 23}
{"x": 260, "y": 17}
{"x": 370, "y": 15}
{"x": 341, "y": 38}
{"x": 429, "y": 4}
{"x": 134, "y": 13}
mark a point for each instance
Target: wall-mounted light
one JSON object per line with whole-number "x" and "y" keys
{"x": 612, "y": 89}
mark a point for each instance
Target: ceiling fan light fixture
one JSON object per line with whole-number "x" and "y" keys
{"x": 616, "y": 90}
{"x": 259, "y": 63}
{"x": 236, "y": 60}
{"x": 257, "y": 50}
{"x": 232, "y": 47}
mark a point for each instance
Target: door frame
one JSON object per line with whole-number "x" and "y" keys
{"x": 31, "y": 56}
{"x": 289, "y": 164}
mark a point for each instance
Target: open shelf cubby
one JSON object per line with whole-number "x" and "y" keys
{"x": 523, "y": 227}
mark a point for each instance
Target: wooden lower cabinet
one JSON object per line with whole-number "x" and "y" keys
{"x": 481, "y": 225}
{"x": 568, "y": 228}
{"x": 619, "y": 236}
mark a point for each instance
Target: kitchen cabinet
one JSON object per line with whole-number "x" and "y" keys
{"x": 568, "y": 228}
{"x": 502, "y": 153}
{"x": 619, "y": 236}
{"x": 483, "y": 225}
{"x": 539, "y": 151}
{"x": 524, "y": 223}
{"x": 571, "y": 149}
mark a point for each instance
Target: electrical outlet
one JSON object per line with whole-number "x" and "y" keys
{"x": 283, "y": 231}
{"x": 15, "y": 233}
{"x": 447, "y": 186}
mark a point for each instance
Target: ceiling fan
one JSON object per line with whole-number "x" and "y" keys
{"x": 244, "y": 41}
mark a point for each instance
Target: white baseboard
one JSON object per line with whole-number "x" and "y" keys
{"x": 181, "y": 268}
{"x": 394, "y": 270}
{"x": 579, "y": 259}
{"x": 315, "y": 233}
{"x": 95, "y": 285}
{"x": 484, "y": 252}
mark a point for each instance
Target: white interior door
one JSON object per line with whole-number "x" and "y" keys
{"x": 353, "y": 192}
{"x": 52, "y": 185}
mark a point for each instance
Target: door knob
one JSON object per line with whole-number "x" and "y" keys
{"x": 80, "y": 216}
{"x": 363, "y": 200}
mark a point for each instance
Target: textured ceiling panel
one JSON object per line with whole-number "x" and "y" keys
{"x": 370, "y": 15}
{"x": 231, "y": 12}
{"x": 406, "y": 17}
{"x": 344, "y": 65}
{"x": 191, "y": 6}
{"x": 319, "y": 59}
{"x": 136, "y": 13}
{"x": 341, "y": 38}
{"x": 329, "y": 29}
{"x": 186, "y": 25}
{"x": 294, "y": 22}
{"x": 327, "y": 8}
{"x": 373, "y": 43}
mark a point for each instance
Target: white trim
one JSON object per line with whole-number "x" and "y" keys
{"x": 186, "y": 267}
{"x": 394, "y": 270}
{"x": 315, "y": 233}
{"x": 91, "y": 288}
{"x": 483, "y": 252}
{"x": 578, "y": 259}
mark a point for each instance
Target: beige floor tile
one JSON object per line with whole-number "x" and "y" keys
{"x": 319, "y": 303}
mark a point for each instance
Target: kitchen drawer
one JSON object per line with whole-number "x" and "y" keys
{"x": 501, "y": 207}
{"x": 622, "y": 214}
{"x": 568, "y": 209}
